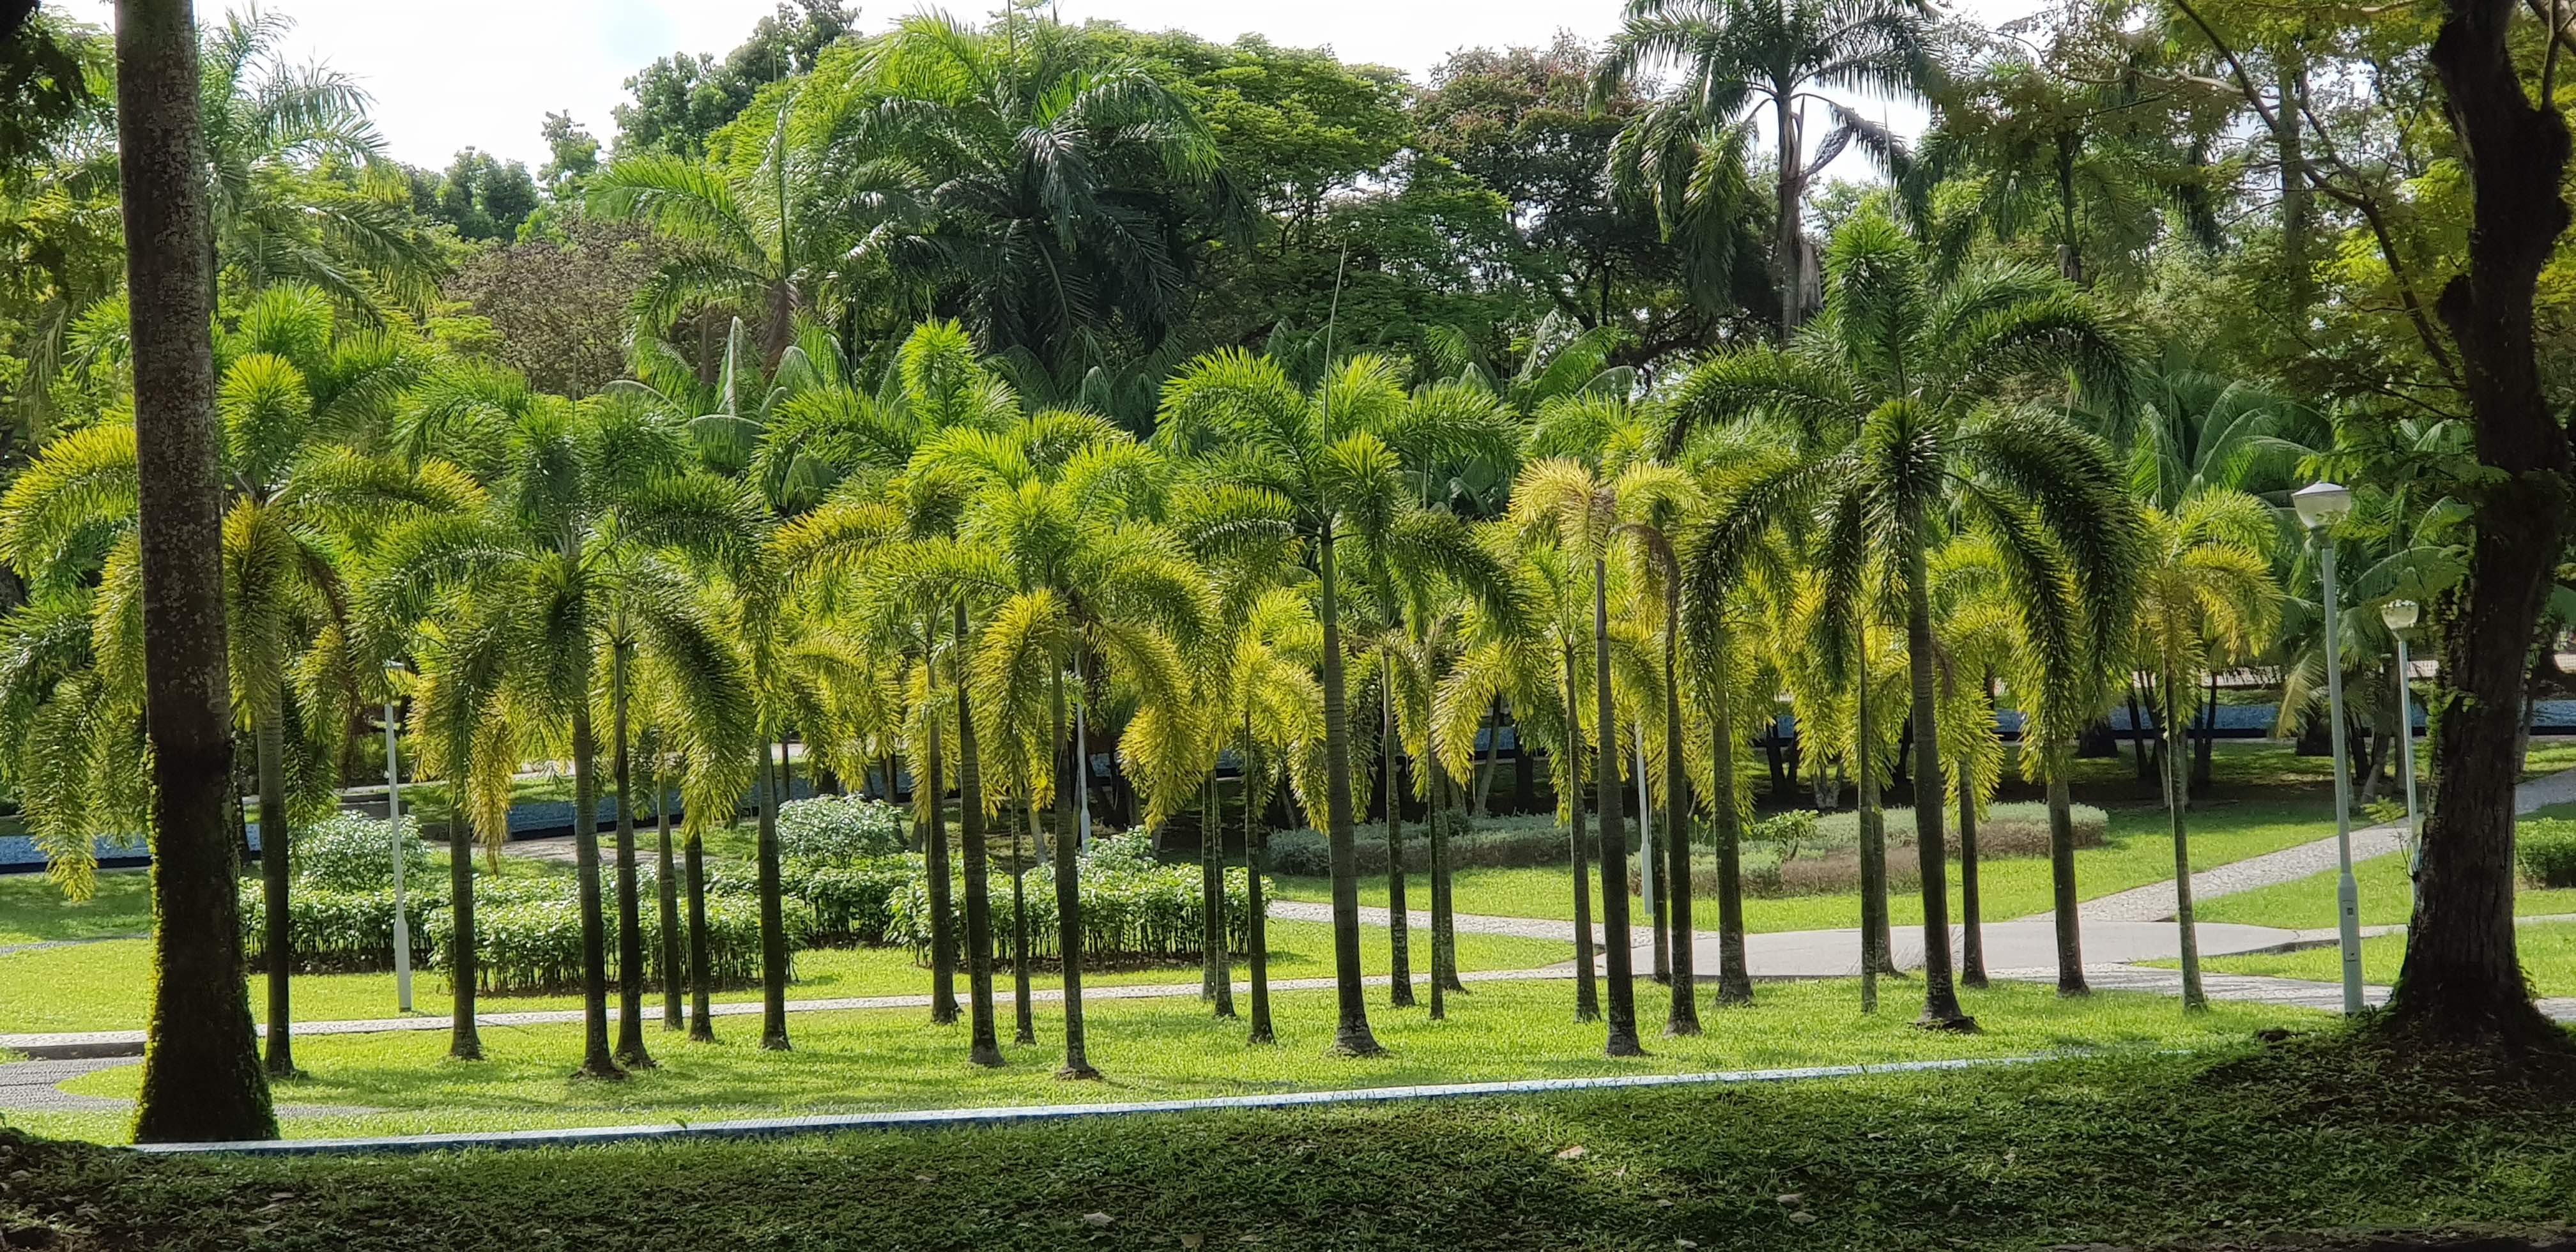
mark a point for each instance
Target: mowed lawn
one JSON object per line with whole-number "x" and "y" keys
{"x": 2548, "y": 960}
{"x": 1155, "y": 1049}
{"x": 106, "y": 986}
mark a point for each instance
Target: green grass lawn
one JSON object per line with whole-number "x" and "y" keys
{"x": 106, "y": 986}
{"x": 33, "y": 910}
{"x": 2386, "y": 899}
{"x": 1168, "y": 1048}
{"x": 2139, "y": 1151}
{"x": 2548, "y": 960}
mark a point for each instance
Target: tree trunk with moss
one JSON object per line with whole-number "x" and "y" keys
{"x": 201, "y": 1071}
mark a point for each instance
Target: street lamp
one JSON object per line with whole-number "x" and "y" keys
{"x": 393, "y": 820}
{"x": 2399, "y": 616}
{"x": 2321, "y": 506}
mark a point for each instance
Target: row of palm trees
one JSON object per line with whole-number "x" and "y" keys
{"x": 1886, "y": 518}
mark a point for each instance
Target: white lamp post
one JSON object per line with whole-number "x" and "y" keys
{"x": 2400, "y": 615}
{"x": 2321, "y": 506}
{"x": 393, "y": 819}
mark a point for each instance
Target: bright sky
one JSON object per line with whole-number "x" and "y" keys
{"x": 453, "y": 73}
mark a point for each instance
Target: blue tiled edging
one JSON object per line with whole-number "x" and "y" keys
{"x": 946, "y": 1119}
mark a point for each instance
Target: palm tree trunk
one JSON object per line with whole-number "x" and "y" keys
{"x": 1614, "y": 832}
{"x": 1220, "y": 971}
{"x": 201, "y": 1074}
{"x": 1256, "y": 921}
{"x": 2061, "y": 875}
{"x": 2205, "y": 751}
{"x": 1873, "y": 840}
{"x": 1734, "y": 980}
{"x": 1351, "y": 1036}
{"x": 986, "y": 1047}
{"x": 934, "y": 848}
{"x": 276, "y": 845}
{"x": 1941, "y": 1009}
{"x": 702, "y": 1020}
{"x": 1068, "y": 896}
{"x": 1398, "y": 933}
{"x": 1444, "y": 914}
{"x": 1587, "y": 994}
{"x": 1650, "y": 862}
{"x": 1786, "y": 232}
{"x": 464, "y": 1040}
{"x": 773, "y": 921}
{"x": 630, "y": 912}
{"x": 667, "y": 888}
{"x": 1972, "y": 939}
{"x": 1484, "y": 780}
{"x": 1027, "y": 1025}
{"x": 2139, "y": 736}
{"x": 2192, "y": 1000}
{"x": 596, "y": 1060}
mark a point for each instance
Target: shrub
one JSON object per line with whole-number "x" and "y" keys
{"x": 2006, "y": 830}
{"x": 1131, "y": 911}
{"x": 1493, "y": 843}
{"x": 840, "y": 830}
{"x": 2546, "y": 849}
{"x": 849, "y": 904}
{"x": 528, "y": 938}
{"x": 353, "y": 852}
{"x": 335, "y": 932}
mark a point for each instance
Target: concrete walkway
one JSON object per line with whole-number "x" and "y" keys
{"x": 2157, "y": 901}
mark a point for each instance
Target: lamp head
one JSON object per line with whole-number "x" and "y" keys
{"x": 2399, "y": 614}
{"x": 2323, "y": 504}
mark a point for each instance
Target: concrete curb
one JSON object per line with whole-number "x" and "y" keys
{"x": 946, "y": 1119}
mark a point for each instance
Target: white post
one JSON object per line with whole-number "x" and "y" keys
{"x": 393, "y": 819}
{"x": 2347, "y": 894}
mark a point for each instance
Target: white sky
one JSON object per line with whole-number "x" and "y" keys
{"x": 451, "y": 73}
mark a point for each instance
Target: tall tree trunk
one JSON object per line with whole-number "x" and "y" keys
{"x": 1256, "y": 922}
{"x": 1873, "y": 840}
{"x": 1587, "y": 993}
{"x": 986, "y": 1047}
{"x": 1681, "y": 1015}
{"x": 1650, "y": 867}
{"x": 2204, "y": 754}
{"x": 2299, "y": 286}
{"x": 702, "y": 1018}
{"x": 2064, "y": 905}
{"x": 1022, "y": 1018}
{"x": 2462, "y": 977}
{"x": 464, "y": 1039}
{"x": 276, "y": 849}
{"x": 1484, "y": 781}
{"x": 1941, "y": 1009}
{"x": 1787, "y": 238}
{"x": 1444, "y": 965}
{"x": 596, "y": 1060}
{"x": 2070, "y": 243}
{"x": 201, "y": 1072}
{"x": 667, "y": 889}
{"x": 1213, "y": 959}
{"x": 1524, "y": 770}
{"x": 1398, "y": 933}
{"x": 2139, "y": 735}
{"x": 1351, "y": 1036}
{"x": 773, "y": 921}
{"x": 1068, "y": 895}
{"x": 1614, "y": 832}
{"x": 1972, "y": 922}
{"x": 630, "y": 911}
{"x": 934, "y": 845}
{"x": 2171, "y": 720}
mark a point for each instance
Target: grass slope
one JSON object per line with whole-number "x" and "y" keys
{"x": 1164, "y": 1048}
{"x": 2133, "y": 1151}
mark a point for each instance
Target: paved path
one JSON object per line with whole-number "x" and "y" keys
{"x": 2157, "y": 901}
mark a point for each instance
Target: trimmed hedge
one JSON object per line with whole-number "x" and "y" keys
{"x": 1132, "y": 908}
{"x": 353, "y": 852}
{"x": 2545, "y": 848}
{"x": 341, "y": 932}
{"x": 2007, "y": 830}
{"x": 1493, "y": 843}
{"x": 845, "y": 905}
{"x": 527, "y": 937}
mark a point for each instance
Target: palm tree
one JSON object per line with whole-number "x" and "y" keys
{"x": 1322, "y": 468}
{"x": 267, "y": 125}
{"x": 2205, "y": 587}
{"x": 1739, "y": 55}
{"x": 1024, "y": 174}
{"x": 1890, "y": 386}
{"x": 201, "y": 1079}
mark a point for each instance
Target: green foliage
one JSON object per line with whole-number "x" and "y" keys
{"x": 2546, "y": 850}
{"x": 1134, "y": 908}
{"x": 1505, "y": 843}
{"x": 850, "y": 901}
{"x": 350, "y": 852}
{"x": 528, "y": 937}
{"x": 344, "y": 931}
{"x": 840, "y": 831}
